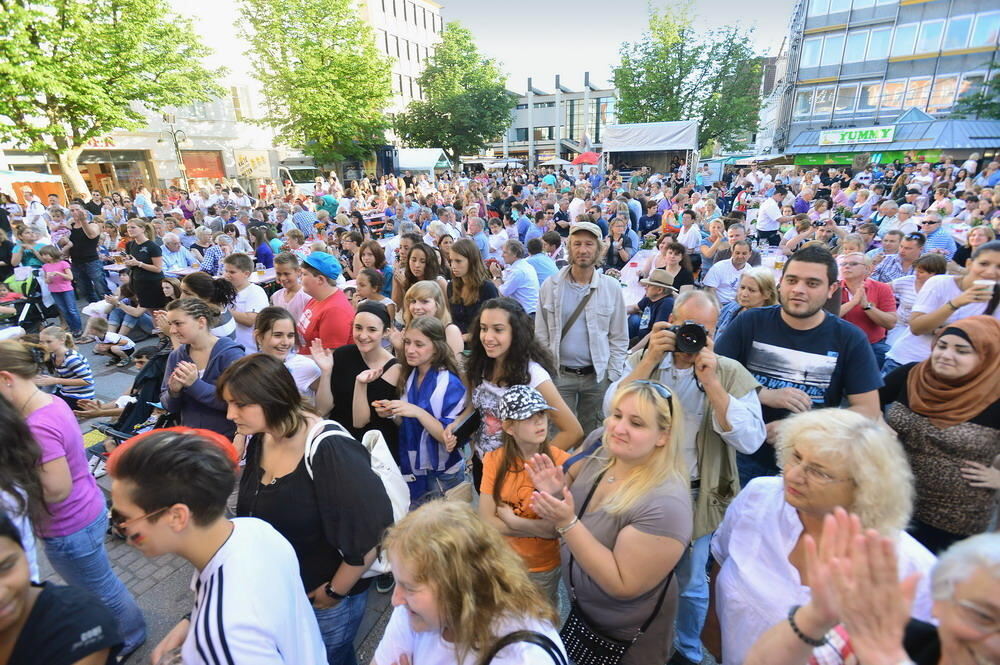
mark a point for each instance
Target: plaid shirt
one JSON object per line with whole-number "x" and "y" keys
{"x": 889, "y": 269}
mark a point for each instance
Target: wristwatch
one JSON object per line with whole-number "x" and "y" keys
{"x": 333, "y": 594}
{"x": 867, "y": 307}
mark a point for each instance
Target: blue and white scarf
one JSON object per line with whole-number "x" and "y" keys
{"x": 441, "y": 394}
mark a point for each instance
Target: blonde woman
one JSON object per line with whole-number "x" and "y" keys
{"x": 624, "y": 516}
{"x": 459, "y": 589}
{"x": 829, "y": 458}
{"x": 425, "y": 298}
{"x": 757, "y": 288}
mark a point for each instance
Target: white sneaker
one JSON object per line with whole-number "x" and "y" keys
{"x": 100, "y": 470}
{"x": 92, "y": 462}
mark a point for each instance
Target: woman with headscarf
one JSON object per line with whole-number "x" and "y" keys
{"x": 946, "y": 412}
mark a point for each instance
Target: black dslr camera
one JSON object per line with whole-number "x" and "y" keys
{"x": 691, "y": 337}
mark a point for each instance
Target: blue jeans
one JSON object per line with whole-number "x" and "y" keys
{"x": 435, "y": 484}
{"x": 117, "y": 318}
{"x": 759, "y": 463}
{"x": 633, "y": 325}
{"x": 888, "y": 366}
{"x": 339, "y": 625}
{"x": 90, "y": 278}
{"x": 81, "y": 560}
{"x": 692, "y": 578}
{"x": 880, "y": 349}
{"x": 66, "y": 302}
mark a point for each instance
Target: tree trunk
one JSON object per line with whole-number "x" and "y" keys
{"x": 71, "y": 171}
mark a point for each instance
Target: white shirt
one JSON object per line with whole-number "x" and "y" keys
{"x": 767, "y": 217}
{"x": 249, "y": 299}
{"x": 690, "y": 238}
{"x": 305, "y": 371}
{"x": 757, "y": 584}
{"x": 906, "y": 295}
{"x": 429, "y": 648}
{"x": 238, "y": 618}
{"x": 725, "y": 279}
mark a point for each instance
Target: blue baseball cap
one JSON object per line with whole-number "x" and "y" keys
{"x": 327, "y": 265}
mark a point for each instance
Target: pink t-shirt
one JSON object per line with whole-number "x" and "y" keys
{"x": 58, "y": 434}
{"x": 59, "y": 283}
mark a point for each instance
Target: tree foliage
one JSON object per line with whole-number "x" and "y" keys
{"x": 466, "y": 101}
{"x": 983, "y": 104}
{"x": 674, "y": 73}
{"x": 72, "y": 71}
{"x": 326, "y": 84}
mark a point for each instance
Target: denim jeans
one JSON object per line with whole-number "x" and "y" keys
{"x": 692, "y": 578}
{"x": 888, "y": 366}
{"x": 634, "y": 320}
{"x": 436, "y": 484}
{"x": 145, "y": 322}
{"x": 81, "y": 560}
{"x": 66, "y": 302}
{"x": 90, "y": 278}
{"x": 880, "y": 349}
{"x": 339, "y": 625}
{"x": 585, "y": 397}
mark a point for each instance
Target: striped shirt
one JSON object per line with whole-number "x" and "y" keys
{"x": 75, "y": 366}
{"x": 250, "y": 606}
{"x": 940, "y": 240}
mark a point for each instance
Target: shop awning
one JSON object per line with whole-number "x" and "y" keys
{"x": 423, "y": 159}
{"x": 948, "y": 134}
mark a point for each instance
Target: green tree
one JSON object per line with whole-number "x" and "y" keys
{"x": 674, "y": 73}
{"x": 326, "y": 84}
{"x": 466, "y": 101}
{"x": 72, "y": 71}
{"x": 983, "y": 104}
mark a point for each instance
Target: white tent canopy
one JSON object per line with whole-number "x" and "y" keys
{"x": 556, "y": 161}
{"x": 423, "y": 159}
{"x": 651, "y": 136}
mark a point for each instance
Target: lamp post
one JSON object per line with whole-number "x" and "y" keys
{"x": 178, "y": 137}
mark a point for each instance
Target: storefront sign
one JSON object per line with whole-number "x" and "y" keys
{"x": 253, "y": 164}
{"x": 857, "y": 135}
{"x": 203, "y": 164}
{"x": 105, "y": 142}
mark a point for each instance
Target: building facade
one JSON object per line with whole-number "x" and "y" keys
{"x": 863, "y": 63}
{"x": 557, "y": 124}
{"x": 207, "y": 142}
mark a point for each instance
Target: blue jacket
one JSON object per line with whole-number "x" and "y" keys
{"x": 197, "y": 405}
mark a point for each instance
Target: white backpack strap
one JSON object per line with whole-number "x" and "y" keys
{"x": 316, "y": 434}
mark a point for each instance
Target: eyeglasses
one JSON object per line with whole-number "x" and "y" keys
{"x": 661, "y": 390}
{"x": 812, "y": 472}
{"x": 852, "y": 264}
{"x": 119, "y": 523}
{"x": 977, "y": 617}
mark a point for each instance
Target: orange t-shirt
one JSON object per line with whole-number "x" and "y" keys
{"x": 540, "y": 554}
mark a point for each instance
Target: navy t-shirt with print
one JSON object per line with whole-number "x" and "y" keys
{"x": 827, "y": 362}
{"x": 650, "y": 312}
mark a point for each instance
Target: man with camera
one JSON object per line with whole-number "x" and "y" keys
{"x": 722, "y": 416}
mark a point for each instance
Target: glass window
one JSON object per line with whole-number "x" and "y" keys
{"x": 970, "y": 84}
{"x": 930, "y": 36}
{"x": 957, "y": 34}
{"x": 833, "y": 50}
{"x": 846, "y": 95}
{"x": 810, "y": 51}
{"x": 868, "y": 98}
{"x": 857, "y": 43}
{"x": 839, "y": 6}
{"x": 803, "y": 103}
{"x": 824, "y": 101}
{"x": 904, "y": 39}
{"x": 943, "y": 93}
{"x": 818, "y": 7}
{"x": 892, "y": 94}
{"x": 886, "y": 2}
{"x": 878, "y": 44}
{"x": 917, "y": 93}
{"x": 986, "y": 30}
{"x": 862, "y": 4}
{"x": 521, "y": 134}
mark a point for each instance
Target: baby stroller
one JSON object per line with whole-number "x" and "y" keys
{"x": 32, "y": 314}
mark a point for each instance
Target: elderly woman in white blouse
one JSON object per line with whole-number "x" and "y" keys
{"x": 830, "y": 458}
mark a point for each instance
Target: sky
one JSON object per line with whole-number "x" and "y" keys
{"x": 569, "y": 37}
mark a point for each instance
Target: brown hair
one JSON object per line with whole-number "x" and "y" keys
{"x": 465, "y": 290}
{"x": 264, "y": 380}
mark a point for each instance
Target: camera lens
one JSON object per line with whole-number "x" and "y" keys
{"x": 691, "y": 338}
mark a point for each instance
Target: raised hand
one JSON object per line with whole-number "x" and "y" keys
{"x": 545, "y": 475}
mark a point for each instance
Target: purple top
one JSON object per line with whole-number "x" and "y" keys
{"x": 58, "y": 434}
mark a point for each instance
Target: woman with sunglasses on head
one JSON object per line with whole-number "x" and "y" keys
{"x": 830, "y": 458}
{"x": 73, "y": 529}
{"x": 625, "y": 518}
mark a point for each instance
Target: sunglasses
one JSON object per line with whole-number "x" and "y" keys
{"x": 928, "y": 221}
{"x": 661, "y": 390}
{"x": 119, "y": 524}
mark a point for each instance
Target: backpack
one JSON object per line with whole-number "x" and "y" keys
{"x": 382, "y": 464}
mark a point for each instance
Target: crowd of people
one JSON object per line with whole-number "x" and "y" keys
{"x": 773, "y": 435}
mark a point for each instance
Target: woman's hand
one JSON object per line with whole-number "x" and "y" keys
{"x": 321, "y": 356}
{"x": 369, "y": 376}
{"x": 382, "y": 409}
{"x": 450, "y": 440}
{"x": 506, "y": 514}
{"x": 321, "y": 600}
{"x": 839, "y": 530}
{"x": 972, "y": 294}
{"x": 186, "y": 373}
{"x": 979, "y": 475}
{"x": 401, "y": 408}
{"x": 130, "y": 261}
{"x": 560, "y": 512}
{"x": 545, "y": 474}
{"x": 874, "y": 605}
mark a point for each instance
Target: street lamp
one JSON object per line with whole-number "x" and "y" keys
{"x": 178, "y": 137}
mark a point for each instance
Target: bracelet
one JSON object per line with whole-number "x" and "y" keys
{"x": 186, "y": 616}
{"x": 798, "y": 633}
{"x": 562, "y": 530}
{"x": 952, "y": 305}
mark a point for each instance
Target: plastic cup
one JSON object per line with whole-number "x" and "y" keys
{"x": 985, "y": 284}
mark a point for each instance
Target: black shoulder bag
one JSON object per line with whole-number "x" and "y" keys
{"x": 586, "y": 646}
{"x": 544, "y": 642}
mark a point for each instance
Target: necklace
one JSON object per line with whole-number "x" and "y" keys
{"x": 30, "y": 397}
{"x": 610, "y": 479}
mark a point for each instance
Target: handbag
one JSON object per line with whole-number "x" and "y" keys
{"x": 531, "y": 637}
{"x": 584, "y": 644}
